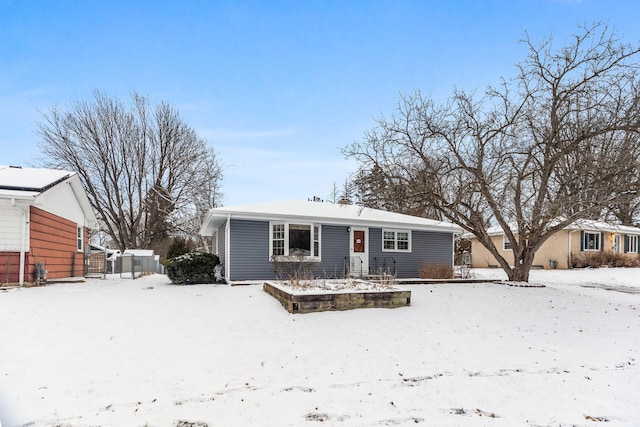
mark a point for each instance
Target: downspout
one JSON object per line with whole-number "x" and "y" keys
{"x": 227, "y": 249}
{"x": 569, "y": 254}
{"x": 453, "y": 250}
{"x": 23, "y": 238}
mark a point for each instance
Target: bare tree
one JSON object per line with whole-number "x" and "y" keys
{"x": 334, "y": 196}
{"x": 536, "y": 153}
{"x": 147, "y": 173}
{"x": 374, "y": 189}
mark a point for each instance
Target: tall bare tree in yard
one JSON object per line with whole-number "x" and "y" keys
{"x": 557, "y": 143}
{"x": 147, "y": 173}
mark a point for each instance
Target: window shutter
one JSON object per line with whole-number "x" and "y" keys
{"x": 626, "y": 243}
{"x": 581, "y": 241}
{"x": 602, "y": 242}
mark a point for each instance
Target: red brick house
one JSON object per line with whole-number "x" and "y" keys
{"x": 45, "y": 218}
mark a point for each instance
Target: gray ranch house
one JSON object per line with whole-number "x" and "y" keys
{"x": 335, "y": 240}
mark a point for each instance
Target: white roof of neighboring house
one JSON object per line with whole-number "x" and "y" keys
{"x": 139, "y": 252}
{"x": 589, "y": 225}
{"x": 581, "y": 224}
{"x": 26, "y": 184}
{"x": 326, "y": 213}
{"x": 30, "y": 179}
{"x": 111, "y": 252}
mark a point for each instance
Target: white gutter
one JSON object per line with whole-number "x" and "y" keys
{"x": 227, "y": 249}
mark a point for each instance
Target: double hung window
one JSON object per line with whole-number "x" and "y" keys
{"x": 506, "y": 243}
{"x": 396, "y": 241}
{"x": 79, "y": 239}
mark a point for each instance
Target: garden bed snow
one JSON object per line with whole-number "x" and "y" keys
{"x": 324, "y": 295}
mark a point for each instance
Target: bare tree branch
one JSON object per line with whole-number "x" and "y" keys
{"x": 558, "y": 143}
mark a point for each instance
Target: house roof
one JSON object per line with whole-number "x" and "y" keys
{"x": 26, "y": 184}
{"x": 18, "y": 182}
{"x": 139, "y": 252}
{"x": 580, "y": 225}
{"x": 326, "y": 213}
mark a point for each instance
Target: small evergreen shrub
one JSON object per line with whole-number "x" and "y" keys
{"x": 179, "y": 246}
{"x": 191, "y": 268}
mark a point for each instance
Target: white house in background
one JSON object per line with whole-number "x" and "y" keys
{"x": 45, "y": 218}
{"x": 335, "y": 239}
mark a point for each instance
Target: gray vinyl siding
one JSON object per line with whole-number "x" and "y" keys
{"x": 222, "y": 231}
{"x": 249, "y": 251}
{"x": 335, "y": 249}
{"x": 426, "y": 248}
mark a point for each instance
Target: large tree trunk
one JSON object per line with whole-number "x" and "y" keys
{"x": 519, "y": 273}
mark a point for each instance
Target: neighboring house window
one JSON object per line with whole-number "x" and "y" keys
{"x": 631, "y": 243}
{"x": 80, "y": 243}
{"x": 506, "y": 243}
{"x": 591, "y": 241}
{"x": 296, "y": 240}
{"x": 396, "y": 241}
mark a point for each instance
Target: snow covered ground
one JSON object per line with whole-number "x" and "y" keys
{"x": 143, "y": 352}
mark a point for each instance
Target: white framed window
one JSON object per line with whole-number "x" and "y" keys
{"x": 591, "y": 241}
{"x": 396, "y": 240}
{"x": 79, "y": 239}
{"x": 288, "y": 239}
{"x": 277, "y": 239}
{"x": 316, "y": 240}
{"x": 632, "y": 243}
{"x": 506, "y": 243}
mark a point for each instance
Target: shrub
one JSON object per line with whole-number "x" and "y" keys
{"x": 191, "y": 268}
{"x": 293, "y": 268}
{"x": 179, "y": 246}
{"x": 600, "y": 259}
{"x": 436, "y": 271}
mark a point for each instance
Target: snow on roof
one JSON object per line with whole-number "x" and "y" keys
{"x": 26, "y": 184}
{"x": 139, "y": 252}
{"x": 581, "y": 224}
{"x": 589, "y": 225}
{"x": 29, "y": 179}
{"x": 321, "y": 212}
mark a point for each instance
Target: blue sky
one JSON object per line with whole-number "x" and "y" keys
{"x": 276, "y": 87}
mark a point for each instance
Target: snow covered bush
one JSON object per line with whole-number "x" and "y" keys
{"x": 191, "y": 268}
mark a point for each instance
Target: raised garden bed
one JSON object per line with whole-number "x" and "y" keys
{"x": 313, "y": 296}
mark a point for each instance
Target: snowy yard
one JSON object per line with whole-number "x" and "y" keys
{"x": 122, "y": 352}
